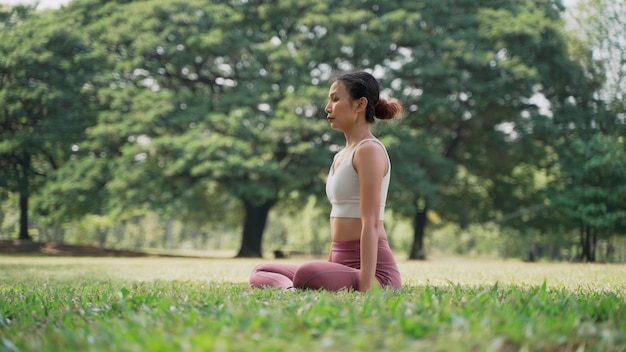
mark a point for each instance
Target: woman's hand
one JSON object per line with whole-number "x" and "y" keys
{"x": 364, "y": 287}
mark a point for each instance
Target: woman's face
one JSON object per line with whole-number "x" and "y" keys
{"x": 341, "y": 110}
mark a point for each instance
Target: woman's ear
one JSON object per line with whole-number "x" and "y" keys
{"x": 361, "y": 104}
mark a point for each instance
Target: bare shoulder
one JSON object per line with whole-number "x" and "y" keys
{"x": 371, "y": 148}
{"x": 370, "y": 154}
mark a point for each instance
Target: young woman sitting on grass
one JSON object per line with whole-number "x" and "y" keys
{"x": 360, "y": 257}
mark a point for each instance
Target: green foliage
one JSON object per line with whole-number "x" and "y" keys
{"x": 82, "y": 310}
{"x": 202, "y": 96}
{"x": 208, "y": 113}
{"x": 48, "y": 87}
{"x": 469, "y": 74}
{"x": 595, "y": 172}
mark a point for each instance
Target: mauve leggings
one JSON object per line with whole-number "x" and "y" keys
{"x": 341, "y": 273}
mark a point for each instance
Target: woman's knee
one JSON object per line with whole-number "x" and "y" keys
{"x": 305, "y": 273}
{"x": 325, "y": 275}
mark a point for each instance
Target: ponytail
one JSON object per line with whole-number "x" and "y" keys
{"x": 387, "y": 110}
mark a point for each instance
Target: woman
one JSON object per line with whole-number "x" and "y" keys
{"x": 360, "y": 257}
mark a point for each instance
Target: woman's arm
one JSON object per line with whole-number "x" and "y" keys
{"x": 370, "y": 161}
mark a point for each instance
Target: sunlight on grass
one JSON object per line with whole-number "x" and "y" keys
{"x": 414, "y": 273}
{"x": 488, "y": 272}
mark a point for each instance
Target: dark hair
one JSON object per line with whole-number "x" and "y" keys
{"x": 362, "y": 84}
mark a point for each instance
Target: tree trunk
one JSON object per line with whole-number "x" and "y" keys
{"x": 24, "y": 193}
{"x": 588, "y": 243}
{"x": 594, "y": 243}
{"x": 585, "y": 242}
{"x": 532, "y": 251}
{"x": 253, "y": 227}
{"x": 419, "y": 225}
{"x": 581, "y": 255}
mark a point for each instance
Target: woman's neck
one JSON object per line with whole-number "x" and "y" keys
{"x": 356, "y": 135}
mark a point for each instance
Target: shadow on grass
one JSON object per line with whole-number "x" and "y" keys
{"x": 27, "y": 247}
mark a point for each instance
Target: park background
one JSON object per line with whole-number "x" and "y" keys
{"x": 197, "y": 127}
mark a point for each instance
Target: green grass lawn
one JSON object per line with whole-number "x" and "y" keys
{"x": 169, "y": 304}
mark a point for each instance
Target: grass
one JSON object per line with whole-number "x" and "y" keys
{"x": 165, "y": 304}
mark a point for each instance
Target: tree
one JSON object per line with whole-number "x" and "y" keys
{"x": 595, "y": 189}
{"x": 47, "y": 92}
{"x": 469, "y": 73}
{"x": 206, "y": 95}
{"x": 588, "y": 128}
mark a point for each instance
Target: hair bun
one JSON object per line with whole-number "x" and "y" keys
{"x": 387, "y": 110}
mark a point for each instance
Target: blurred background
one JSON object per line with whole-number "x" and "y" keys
{"x": 198, "y": 127}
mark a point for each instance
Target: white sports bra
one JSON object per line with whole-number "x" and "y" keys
{"x": 342, "y": 187}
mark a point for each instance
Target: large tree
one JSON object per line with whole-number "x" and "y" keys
{"x": 207, "y": 98}
{"x": 47, "y": 91}
{"x": 470, "y": 72}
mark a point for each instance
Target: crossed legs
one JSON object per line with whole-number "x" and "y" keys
{"x": 313, "y": 275}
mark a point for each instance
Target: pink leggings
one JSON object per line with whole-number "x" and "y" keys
{"x": 341, "y": 273}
